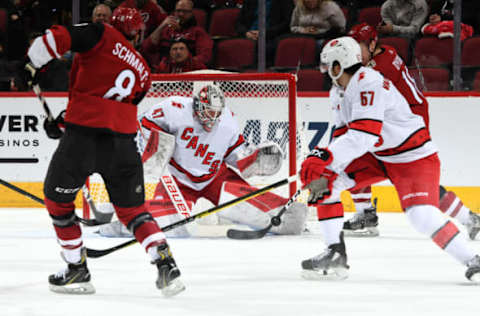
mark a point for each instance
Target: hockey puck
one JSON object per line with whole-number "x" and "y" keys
{"x": 276, "y": 221}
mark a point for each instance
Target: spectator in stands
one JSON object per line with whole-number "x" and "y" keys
{"x": 180, "y": 59}
{"x": 402, "y": 17}
{"x": 444, "y": 28}
{"x": 181, "y": 24}
{"x": 278, "y": 15}
{"x": 320, "y": 18}
{"x": 101, "y": 13}
{"x": 153, "y": 15}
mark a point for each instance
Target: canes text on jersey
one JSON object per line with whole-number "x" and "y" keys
{"x": 200, "y": 149}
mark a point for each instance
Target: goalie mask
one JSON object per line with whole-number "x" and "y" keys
{"x": 208, "y": 105}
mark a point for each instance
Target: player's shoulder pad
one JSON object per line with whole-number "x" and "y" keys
{"x": 366, "y": 77}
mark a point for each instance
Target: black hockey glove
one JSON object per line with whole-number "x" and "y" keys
{"x": 55, "y": 128}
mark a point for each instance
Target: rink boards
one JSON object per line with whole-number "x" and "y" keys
{"x": 25, "y": 150}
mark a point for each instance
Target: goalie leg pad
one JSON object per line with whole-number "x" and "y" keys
{"x": 293, "y": 220}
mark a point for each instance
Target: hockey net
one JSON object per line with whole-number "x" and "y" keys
{"x": 263, "y": 104}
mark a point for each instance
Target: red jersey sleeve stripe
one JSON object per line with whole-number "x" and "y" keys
{"x": 151, "y": 125}
{"x": 340, "y": 131}
{"x": 193, "y": 178}
{"x": 373, "y": 127}
{"x": 239, "y": 141}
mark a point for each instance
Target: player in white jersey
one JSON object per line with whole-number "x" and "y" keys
{"x": 208, "y": 152}
{"x": 382, "y": 139}
{"x": 386, "y": 60}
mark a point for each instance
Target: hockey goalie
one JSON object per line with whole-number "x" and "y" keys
{"x": 199, "y": 141}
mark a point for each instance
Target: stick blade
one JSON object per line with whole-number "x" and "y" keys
{"x": 94, "y": 253}
{"x": 248, "y": 234}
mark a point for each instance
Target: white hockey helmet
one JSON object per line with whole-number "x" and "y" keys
{"x": 208, "y": 105}
{"x": 343, "y": 50}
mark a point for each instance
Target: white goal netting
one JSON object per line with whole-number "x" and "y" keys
{"x": 263, "y": 104}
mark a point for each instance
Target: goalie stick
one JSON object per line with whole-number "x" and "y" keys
{"x": 93, "y": 253}
{"x": 274, "y": 221}
{"x": 86, "y": 222}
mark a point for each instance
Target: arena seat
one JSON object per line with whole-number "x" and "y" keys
{"x": 222, "y": 22}
{"x": 370, "y": 16}
{"x": 431, "y": 79}
{"x": 431, "y": 51}
{"x": 235, "y": 53}
{"x": 290, "y": 50}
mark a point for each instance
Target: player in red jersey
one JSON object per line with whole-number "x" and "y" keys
{"x": 385, "y": 59}
{"x": 112, "y": 78}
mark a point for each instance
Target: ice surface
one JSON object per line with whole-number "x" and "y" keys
{"x": 398, "y": 273}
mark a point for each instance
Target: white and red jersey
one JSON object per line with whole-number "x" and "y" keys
{"x": 392, "y": 67}
{"x": 372, "y": 116}
{"x": 198, "y": 154}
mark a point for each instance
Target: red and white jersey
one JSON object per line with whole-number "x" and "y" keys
{"x": 392, "y": 67}
{"x": 372, "y": 116}
{"x": 109, "y": 78}
{"x": 198, "y": 154}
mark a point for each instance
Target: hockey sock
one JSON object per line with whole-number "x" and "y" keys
{"x": 68, "y": 231}
{"x": 330, "y": 217}
{"x": 362, "y": 199}
{"x": 428, "y": 220}
{"x": 451, "y": 205}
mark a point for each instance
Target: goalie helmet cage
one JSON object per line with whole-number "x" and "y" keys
{"x": 263, "y": 103}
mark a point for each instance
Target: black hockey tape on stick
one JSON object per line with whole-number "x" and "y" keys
{"x": 93, "y": 253}
{"x": 274, "y": 221}
{"x": 86, "y": 222}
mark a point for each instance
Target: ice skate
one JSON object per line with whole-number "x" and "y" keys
{"x": 473, "y": 271}
{"x": 168, "y": 273}
{"x": 473, "y": 225}
{"x": 329, "y": 265}
{"x": 75, "y": 279}
{"x": 363, "y": 224}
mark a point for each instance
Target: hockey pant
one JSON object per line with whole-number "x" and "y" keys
{"x": 417, "y": 185}
{"x": 79, "y": 155}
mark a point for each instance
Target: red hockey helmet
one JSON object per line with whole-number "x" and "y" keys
{"x": 128, "y": 21}
{"x": 363, "y": 33}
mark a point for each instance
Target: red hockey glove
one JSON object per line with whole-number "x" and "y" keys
{"x": 313, "y": 167}
{"x": 321, "y": 188}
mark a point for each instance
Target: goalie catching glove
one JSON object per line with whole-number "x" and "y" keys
{"x": 263, "y": 160}
{"x": 316, "y": 177}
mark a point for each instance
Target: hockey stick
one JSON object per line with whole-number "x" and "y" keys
{"x": 101, "y": 218}
{"x": 38, "y": 92}
{"x": 93, "y": 253}
{"x": 86, "y": 222}
{"x": 274, "y": 221}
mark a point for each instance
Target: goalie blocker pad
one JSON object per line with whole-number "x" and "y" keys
{"x": 263, "y": 160}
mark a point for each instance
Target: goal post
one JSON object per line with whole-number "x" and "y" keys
{"x": 264, "y": 105}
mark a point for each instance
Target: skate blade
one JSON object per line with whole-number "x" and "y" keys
{"x": 336, "y": 274}
{"x": 175, "y": 287}
{"x": 366, "y": 232}
{"x": 75, "y": 288}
